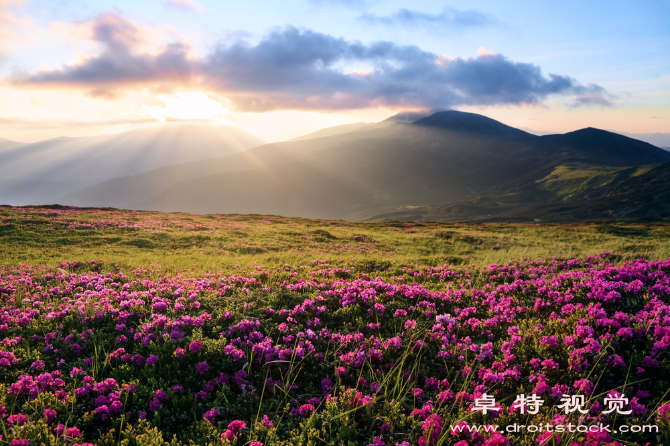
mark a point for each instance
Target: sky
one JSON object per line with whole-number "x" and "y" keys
{"x": 283, "y": 69}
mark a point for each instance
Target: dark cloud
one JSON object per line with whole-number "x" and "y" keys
{"x": 449, "y": 18}
{"x": 303, "y": 69}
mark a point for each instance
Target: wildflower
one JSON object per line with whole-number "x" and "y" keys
{"x": 154, "y": 405}
{"x": 211, "y": 415}
{"x": 103, "y": 411}
{"x": 267, "y": 422}
{"x": 664, "y": 413}
{"x": 37, "y": 365}
{"x": 305, "y": 410}
{"x": 584, "y": 385}
{"x": 18, "y": 419}
{"x": 326, "y": 385}
{"x": 377, "y": 441}
{"x": 202, "y": 367}
{"x": 49, "y": 415}
{"x": 233, "y": 430}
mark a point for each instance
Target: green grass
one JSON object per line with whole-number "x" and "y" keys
{"x": 190, "y": 243}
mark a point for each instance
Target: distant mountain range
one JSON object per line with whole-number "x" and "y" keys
{"x": 53, "y": 168}
{"x": 661, "y": 140}
{"x": 6, "y": 144}
{"x": 446, "y": 166}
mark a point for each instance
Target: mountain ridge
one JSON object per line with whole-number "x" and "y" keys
{"x": 348, "y": 175}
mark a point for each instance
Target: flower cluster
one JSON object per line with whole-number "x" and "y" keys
{"x": 370, "y": 359}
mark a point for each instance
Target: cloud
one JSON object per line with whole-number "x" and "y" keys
{"x": 185, "y": 5}
{"x": 482, "y": 51}
{"x": 119, "y": 66}
{"x": 301, "y": 69}
{"x": 592, "y": 96}
{"x": 449, "y": 18}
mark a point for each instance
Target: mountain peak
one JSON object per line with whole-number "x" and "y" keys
{"x": 602, "y": 147}
{"x": 472, "y": 123}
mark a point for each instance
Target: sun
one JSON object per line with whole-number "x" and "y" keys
{"x": 193, "y": 105}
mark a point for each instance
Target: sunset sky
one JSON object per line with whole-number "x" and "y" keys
{"x": 283, "y": 69}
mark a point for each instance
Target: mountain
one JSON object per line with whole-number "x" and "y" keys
{"x": 390, "y": 170}
{"x": 603, "y": 147}
{"x": 402, "y": 117}
{"x": 121, "y": 154}
{"x": 21, "y": 192}
{"x": 333, "y": 131}
{"x": 6, "y": 144}
{"x": 470, "y": 123}
{"x": 572, "y": 193}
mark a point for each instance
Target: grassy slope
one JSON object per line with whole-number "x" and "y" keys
{"x": 192, "y": 243}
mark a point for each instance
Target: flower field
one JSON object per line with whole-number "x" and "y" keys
{"x": 345, "y": 334}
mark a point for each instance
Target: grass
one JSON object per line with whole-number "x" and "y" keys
{"x": 189, "y": 243}
{"x": 147, "y": 244}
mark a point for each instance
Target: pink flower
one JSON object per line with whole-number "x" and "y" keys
{"x": 584, "y": 385}
{"x": 417, "y": 393}
{"x": 233, "y": 430}
{"x": 267, "y": 422}
{"x": 305, "y": 410}
{"x": 18, "y": 419}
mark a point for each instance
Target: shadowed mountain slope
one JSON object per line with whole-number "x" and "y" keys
{"x": 603, "y": 148}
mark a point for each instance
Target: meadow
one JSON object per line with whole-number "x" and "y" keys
{"x": 148, "y": 328}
